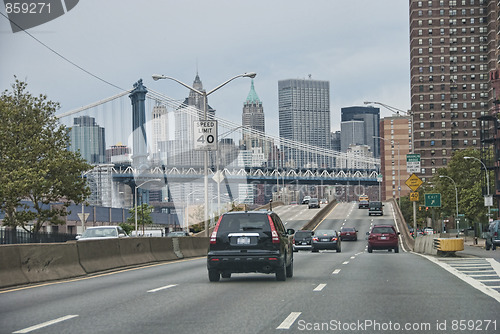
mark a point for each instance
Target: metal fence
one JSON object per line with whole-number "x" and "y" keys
{"x": 8, "y": 237}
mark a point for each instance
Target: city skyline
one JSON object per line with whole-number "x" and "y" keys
{"x": 364, "y": 56}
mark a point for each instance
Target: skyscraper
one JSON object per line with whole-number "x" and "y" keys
{"x": 370, "y": 117}
{"x": 253, "y": 119}
{"x": 453, "y": 47}
{"x": 304, "y": 115}
{"x": 89, "y": 139}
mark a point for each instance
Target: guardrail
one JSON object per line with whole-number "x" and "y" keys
{"x": 407, "y": 239}
{"x": 34, "y": 263}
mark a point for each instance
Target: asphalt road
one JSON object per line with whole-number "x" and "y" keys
{"x": 348, "y": 292}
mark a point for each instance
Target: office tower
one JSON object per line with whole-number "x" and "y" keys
{"x": 370, "y": 117}
{"x": 160, "y": 130}
{"x": 253, "y": 119}
{"x": 453, "y": 48}
{"x": 118, "y": 154}
{"x": 351, "y": 133}
{"x": 304, "y": 116}
{"x": 89, "y": 139}
{"x": 335, "y": 141}
{"x": 184, "y": 155}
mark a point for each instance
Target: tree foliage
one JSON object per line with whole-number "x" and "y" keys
{"x": 35, "y": 165}
{"x": 143, "y": 214}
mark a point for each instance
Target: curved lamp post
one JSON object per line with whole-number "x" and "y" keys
{"x": 205, "y": 94}
{"x": 487, "y": 183}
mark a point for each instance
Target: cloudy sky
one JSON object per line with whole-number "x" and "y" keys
{"x": 360, "y": 46}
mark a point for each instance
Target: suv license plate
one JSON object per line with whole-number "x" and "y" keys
{"x": 243, "y": 241}
{"x": 324, "y": 239}
{"x": 383, "y": 238}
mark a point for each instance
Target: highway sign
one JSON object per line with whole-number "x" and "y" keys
{"x": 414, "y": 197}
{"x": 205, "y": 135}
{"x": 413, "y": 163}
{"x": 433, "y": 200}
{"x": 413, "y": 182}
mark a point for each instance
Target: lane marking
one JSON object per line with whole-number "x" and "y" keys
{"x": 346, "y": 262}
{"x": 319, "y": 287}
{"x": 336, "y": 271}
{"x": 466, "y": 278}
{"x": 45, "y": 324}
{"x": 353, "y": 257}
{"x": 104, "y": 274}
{"x": 163, "y": 288}
{"x": 288, "y": 322}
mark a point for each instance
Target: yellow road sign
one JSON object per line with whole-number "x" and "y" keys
{"x": 414, "y": 182}
{"x": 414, "y": 196}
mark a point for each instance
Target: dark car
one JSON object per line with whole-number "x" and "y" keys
{"x": 348, "y": 233}
{"x": 302, "y": 240}
{"x": 313, "y": 203}
{"x": 250, "y": 241}
{"x": 383, "y": 237}
{"x": 375, "y": 208}
{"x": 326, "y": 239}
{"x": 363, "y": 204}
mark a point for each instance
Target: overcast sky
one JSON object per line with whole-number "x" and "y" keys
{"x": 360, "y": 46}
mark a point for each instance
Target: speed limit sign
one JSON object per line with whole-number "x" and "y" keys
{"x": 205, "y": 135}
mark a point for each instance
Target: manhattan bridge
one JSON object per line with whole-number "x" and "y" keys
{"x": 142, "y": 146}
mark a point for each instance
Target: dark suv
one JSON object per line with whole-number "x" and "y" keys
{"x": 250, "y": 241}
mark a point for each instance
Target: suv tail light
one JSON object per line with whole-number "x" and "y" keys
{"x": 213, "y": 237}
{"x": 334, "y": 239}
{"x": 274, "y": 233}
{"x": 315, "y": 238}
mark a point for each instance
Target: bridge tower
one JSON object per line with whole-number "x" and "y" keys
{"x": 140, "y": 147}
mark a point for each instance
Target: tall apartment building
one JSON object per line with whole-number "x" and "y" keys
{"x": 453, "y": 47}
{"x": 370, "y": 116}
{"x": 87, "y": 137}
{"x": 304, "y": 115}
{"x": 396, "y": 131}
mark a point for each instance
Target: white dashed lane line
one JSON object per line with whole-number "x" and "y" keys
{"x": 288, "y": 322}
{"x": 320, "y": 287}
{"x": 45, "y": 324}
{"x": 336, "y": 271}
{"x": 163, "y": 288}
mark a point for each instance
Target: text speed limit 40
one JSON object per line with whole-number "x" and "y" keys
{"x": 205, "y": 135}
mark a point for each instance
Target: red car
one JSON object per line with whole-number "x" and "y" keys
{"x": 383, "y": 237}
{"x": 348, "y": 233}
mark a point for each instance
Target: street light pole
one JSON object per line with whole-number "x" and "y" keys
{"x": 204, "y": 94}
{"x": 399, "y": 167}
{"x": 456, "y": 198}
{"x": 135, "y": 199}
{"x": 408, "y": 113}
{"x": 487, "y": 184}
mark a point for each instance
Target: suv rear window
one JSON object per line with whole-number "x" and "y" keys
{"x": 244, "y": 222}
{"x": 302, "y": 234}
{"x": 380, "y": 230}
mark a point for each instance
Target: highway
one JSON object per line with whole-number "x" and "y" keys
{"x": 348, "y": 292}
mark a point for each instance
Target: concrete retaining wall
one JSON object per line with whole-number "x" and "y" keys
{"x": 425, "y": 244}
{"x": 33, "y": 263}
{"x": 10, "y": 266}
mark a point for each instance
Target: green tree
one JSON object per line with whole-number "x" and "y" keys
{"x": 143, "y": 215}
{"x": 468, "y": 176}
{"x": 35, "y": 164}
